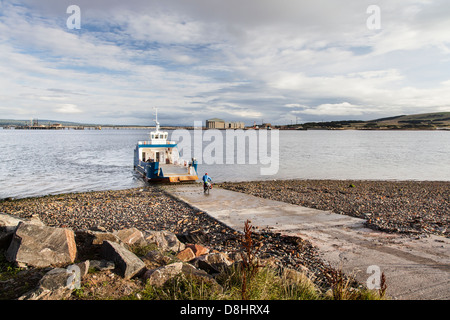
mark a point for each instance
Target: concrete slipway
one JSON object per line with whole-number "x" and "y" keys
{"x": 415, "y": 268}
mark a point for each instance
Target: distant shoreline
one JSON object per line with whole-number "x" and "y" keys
{"x": 203, "y": 128}
{"x": 424, "y": 121}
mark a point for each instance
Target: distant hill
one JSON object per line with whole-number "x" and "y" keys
{"x": 424, "y": 121}
{"x": 437, "y": 118}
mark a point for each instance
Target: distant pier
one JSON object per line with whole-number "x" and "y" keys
{"x": 52, "y": 127}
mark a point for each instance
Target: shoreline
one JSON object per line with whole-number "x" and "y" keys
{"x": 414, "y": 207}
{"x": 14, "y": 198}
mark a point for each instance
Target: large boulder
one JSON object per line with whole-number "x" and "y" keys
{"x": 126, "y": 261}
{"x": 41, "y": 246}
{"x": 165, "y": 240}
{"x": 8, "y": 225}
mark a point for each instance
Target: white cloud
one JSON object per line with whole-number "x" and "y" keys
{"x": 338, "y": 109}
{"x": 246, "y": 59}
{"x": 68, "y": 109}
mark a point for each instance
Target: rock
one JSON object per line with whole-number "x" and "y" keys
{"x": 197, "y": 236}
{"x": 57, "y": 284}
{"x": 186, "y": 255}
{"x": 126, "y": 261}
{"x": 155, "y": 259}
{"x": 130, "y": 236}
{"x": 98, "y": 228}
{"x": 191, "y": 272}
{"x": 165, "y": 240}
{"x": 198, "y": 249}
{"x": 159, "y": 276}
{"x": 41, "y": 246}
{"x": 8, "y": 225}
{"x": 84, "y": 267}
{"x": 212, "y": 263}
{"x": 59, "y": 277}
{"x": 97, "y": 237}
{"x": 203, "y": 265}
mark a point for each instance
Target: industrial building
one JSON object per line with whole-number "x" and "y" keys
{"x": 216, "y": 123}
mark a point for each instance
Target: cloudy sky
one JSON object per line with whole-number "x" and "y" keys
{"x": 244, "y": 60}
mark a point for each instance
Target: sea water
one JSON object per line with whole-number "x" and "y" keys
{"x": 43, "y": 162}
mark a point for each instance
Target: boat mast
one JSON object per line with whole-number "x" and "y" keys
{"x": 156, "y": 119}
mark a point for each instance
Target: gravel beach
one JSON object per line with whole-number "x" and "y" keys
{"x": 151, "y": 208}
{"x": 411, "y": 207}
{"x": 408, "y": 207}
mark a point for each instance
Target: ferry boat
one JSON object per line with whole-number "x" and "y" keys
{"x": 158, "y": 159}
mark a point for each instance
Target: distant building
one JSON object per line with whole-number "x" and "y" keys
{"x": 216, "y": 123}
{"x": 234, "y": 125}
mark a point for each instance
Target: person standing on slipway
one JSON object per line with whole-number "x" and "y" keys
{"x": 205, "y": 180}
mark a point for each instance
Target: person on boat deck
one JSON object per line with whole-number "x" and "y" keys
{"x": 205, "y": 179}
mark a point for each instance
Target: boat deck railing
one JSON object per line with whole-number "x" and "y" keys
{"x": 148, "y": 142}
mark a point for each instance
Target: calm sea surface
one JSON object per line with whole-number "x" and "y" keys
{"x": 35, "y": 163}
